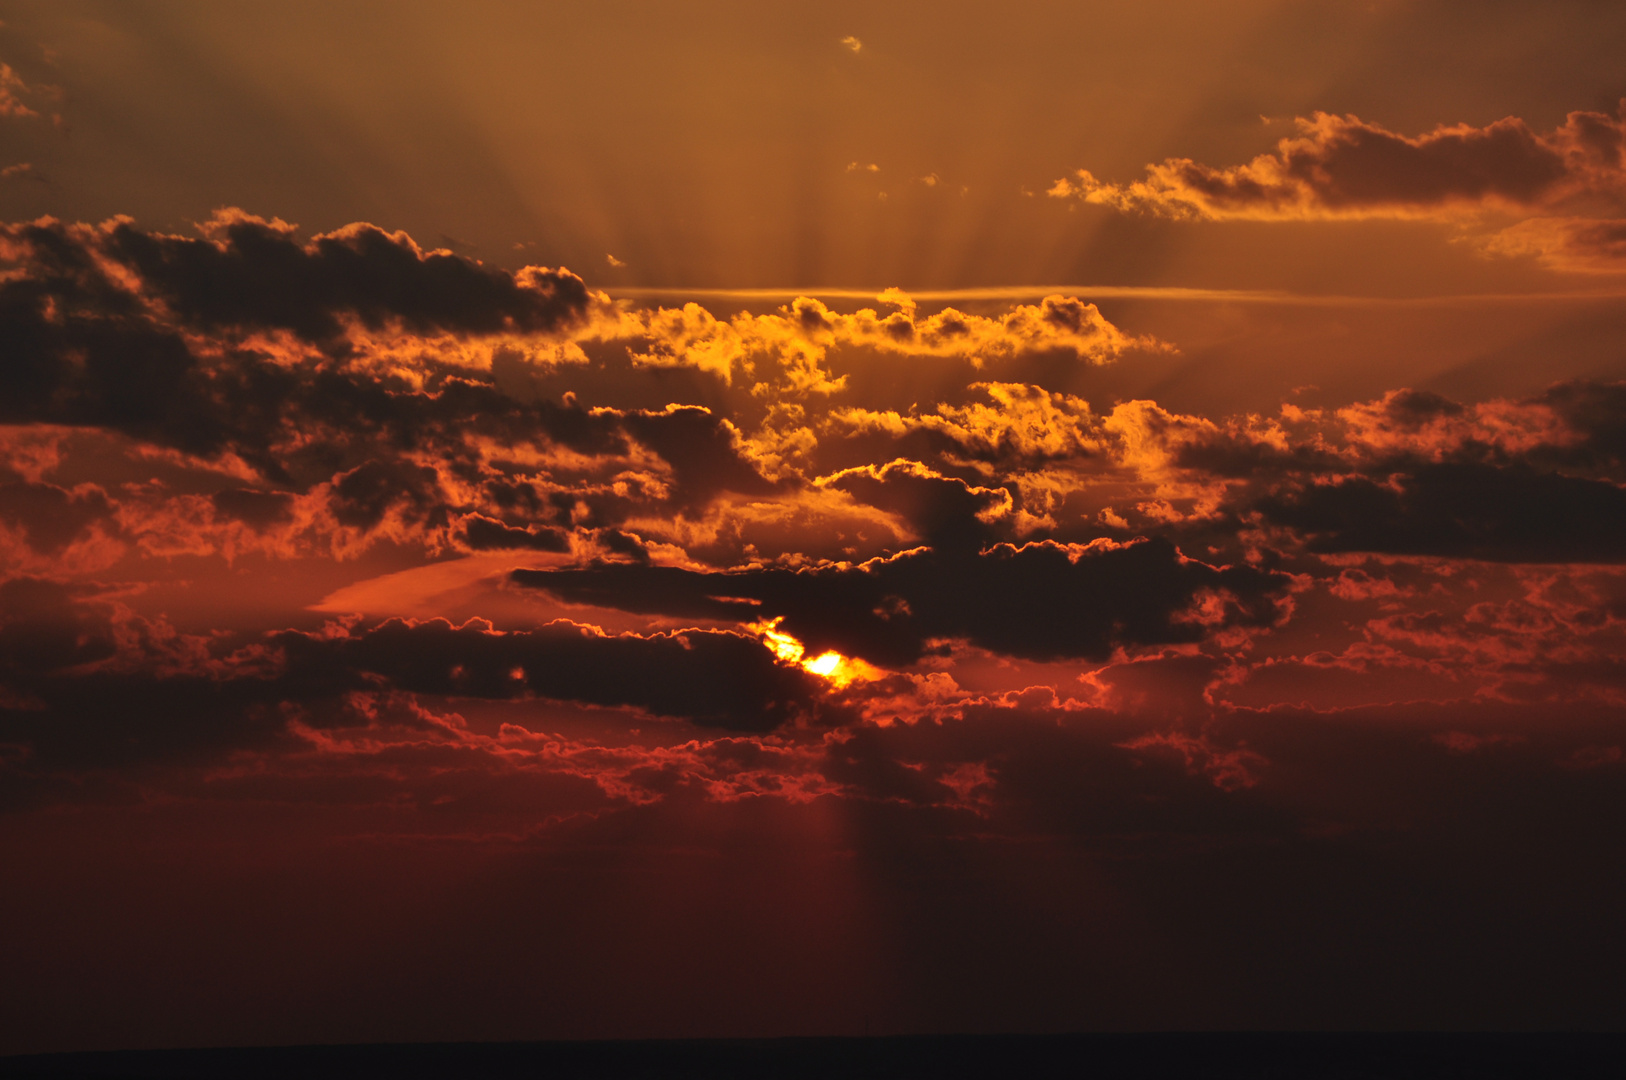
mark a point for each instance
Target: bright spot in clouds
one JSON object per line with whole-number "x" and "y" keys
{"x": 840, "y": 670}
{"x": 852, "y": 43}
{"x": 824, "y": 664}
{"x": 783, "y": 645}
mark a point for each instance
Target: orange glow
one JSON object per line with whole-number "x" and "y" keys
{"x": 824, "y": 664}
{"x": 840, "y": 670}
{"x": 784, "y": 646}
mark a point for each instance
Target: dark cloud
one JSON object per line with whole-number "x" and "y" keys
{"x": 1461, "y": 510}
{"x": 485, "y": 534}
{"x": 139, "y": 333}
{"x": 362, "y": 496}
{"x": 702, "y": 450}
{"x": 51, "y": 517}
{"x": 1594, "y": 417}
{"x": 134, "y": 697}
{"x": 251, "y": 273}
{"x": 43, "y": 627}
{"x": 623, "y": 543}
{"x": 946, "y": 512}
{"x": 1344, "y": 166}
{"x": 73, "y": 350}
{"x": 1345, "y": 162}
{"x": 713, "y": 678}
{"x": 256, "y": 509}
{"x": 1039, "y": 601}
{"x": 81, "y": 345}
{"x": 1538, "y": 480}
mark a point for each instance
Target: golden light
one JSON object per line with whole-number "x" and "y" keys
{"x": 824, "y": 664}
{"x": 784, "y": 646}
{"x": 840, "y": 670}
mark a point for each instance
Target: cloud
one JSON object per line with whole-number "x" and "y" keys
{"x": 44, "y": 627}
{"x": 1038, "y": 601}
{"x": 786, "y": 352}
{"x": 1344, "y": 167}
{"x": 50, "y": 517}
{"x": 944, "y": 512}
{"x": 713, "y": 678}
{"x": 481, "y": 533}
{"x": 1577, "y": 245}
{"x": 257, "y": 509}
{"x": 372, "y": 391}
{"x": 1462, "y": 510}
{"x": 86, "y": 689}
{"x": 251, "y": 273}
{"x": 101, "y": 328}
{"x": 1535, "y": 480}
{"x": 1020, "y": 423}
{"x": 12, "y": 92}
{"x": 997, "y": 560}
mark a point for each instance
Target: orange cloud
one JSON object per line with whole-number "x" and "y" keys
{"x": 786, "y": 351}
{"x": 1574, "y": 244}
{"x": 12, "y": 90}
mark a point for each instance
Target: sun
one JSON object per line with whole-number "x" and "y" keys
{"x": 830, "y": 665}
{"x": 825, "y": 664}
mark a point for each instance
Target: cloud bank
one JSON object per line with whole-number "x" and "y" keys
{"x": 349, "y": 523}
{"x": 1567, "y": 186}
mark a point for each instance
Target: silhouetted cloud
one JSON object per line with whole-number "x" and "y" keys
{"x": 85, "y": 690}
{"x": 51, "y": 517}
{"x": 1039, "y": 601}
{"x": 1342, "y": 166}
{"x": 251, "y": 273}
{"x": 1460, "y": 510}
{"x": 713, "y": 678}
{"x": 484, "y": 534}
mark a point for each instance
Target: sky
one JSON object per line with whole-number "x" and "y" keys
{"x": 528, "y": 521}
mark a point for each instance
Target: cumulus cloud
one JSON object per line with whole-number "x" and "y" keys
{"x": 787, "y": 351}
{"x": 1537, "y": 480}
{"x": 1568, "y": 185}
{"x": 1342, "y": 166}
{"x": 247, "y": 272}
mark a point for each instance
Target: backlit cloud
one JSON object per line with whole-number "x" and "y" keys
{"x": 1344, "y": 167}
{"x": 347, "y": 520}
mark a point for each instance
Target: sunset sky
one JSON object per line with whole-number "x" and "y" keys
{"x": 528, "y": 521}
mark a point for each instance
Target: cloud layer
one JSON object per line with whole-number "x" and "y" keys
{"x": 1568, "y": 185}
{"x": 491, "y": 559}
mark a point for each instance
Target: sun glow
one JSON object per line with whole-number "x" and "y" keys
{"x": 784, "y": 646}
{"x": 840, "y": 670}
{"x": 825, "y": 664}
